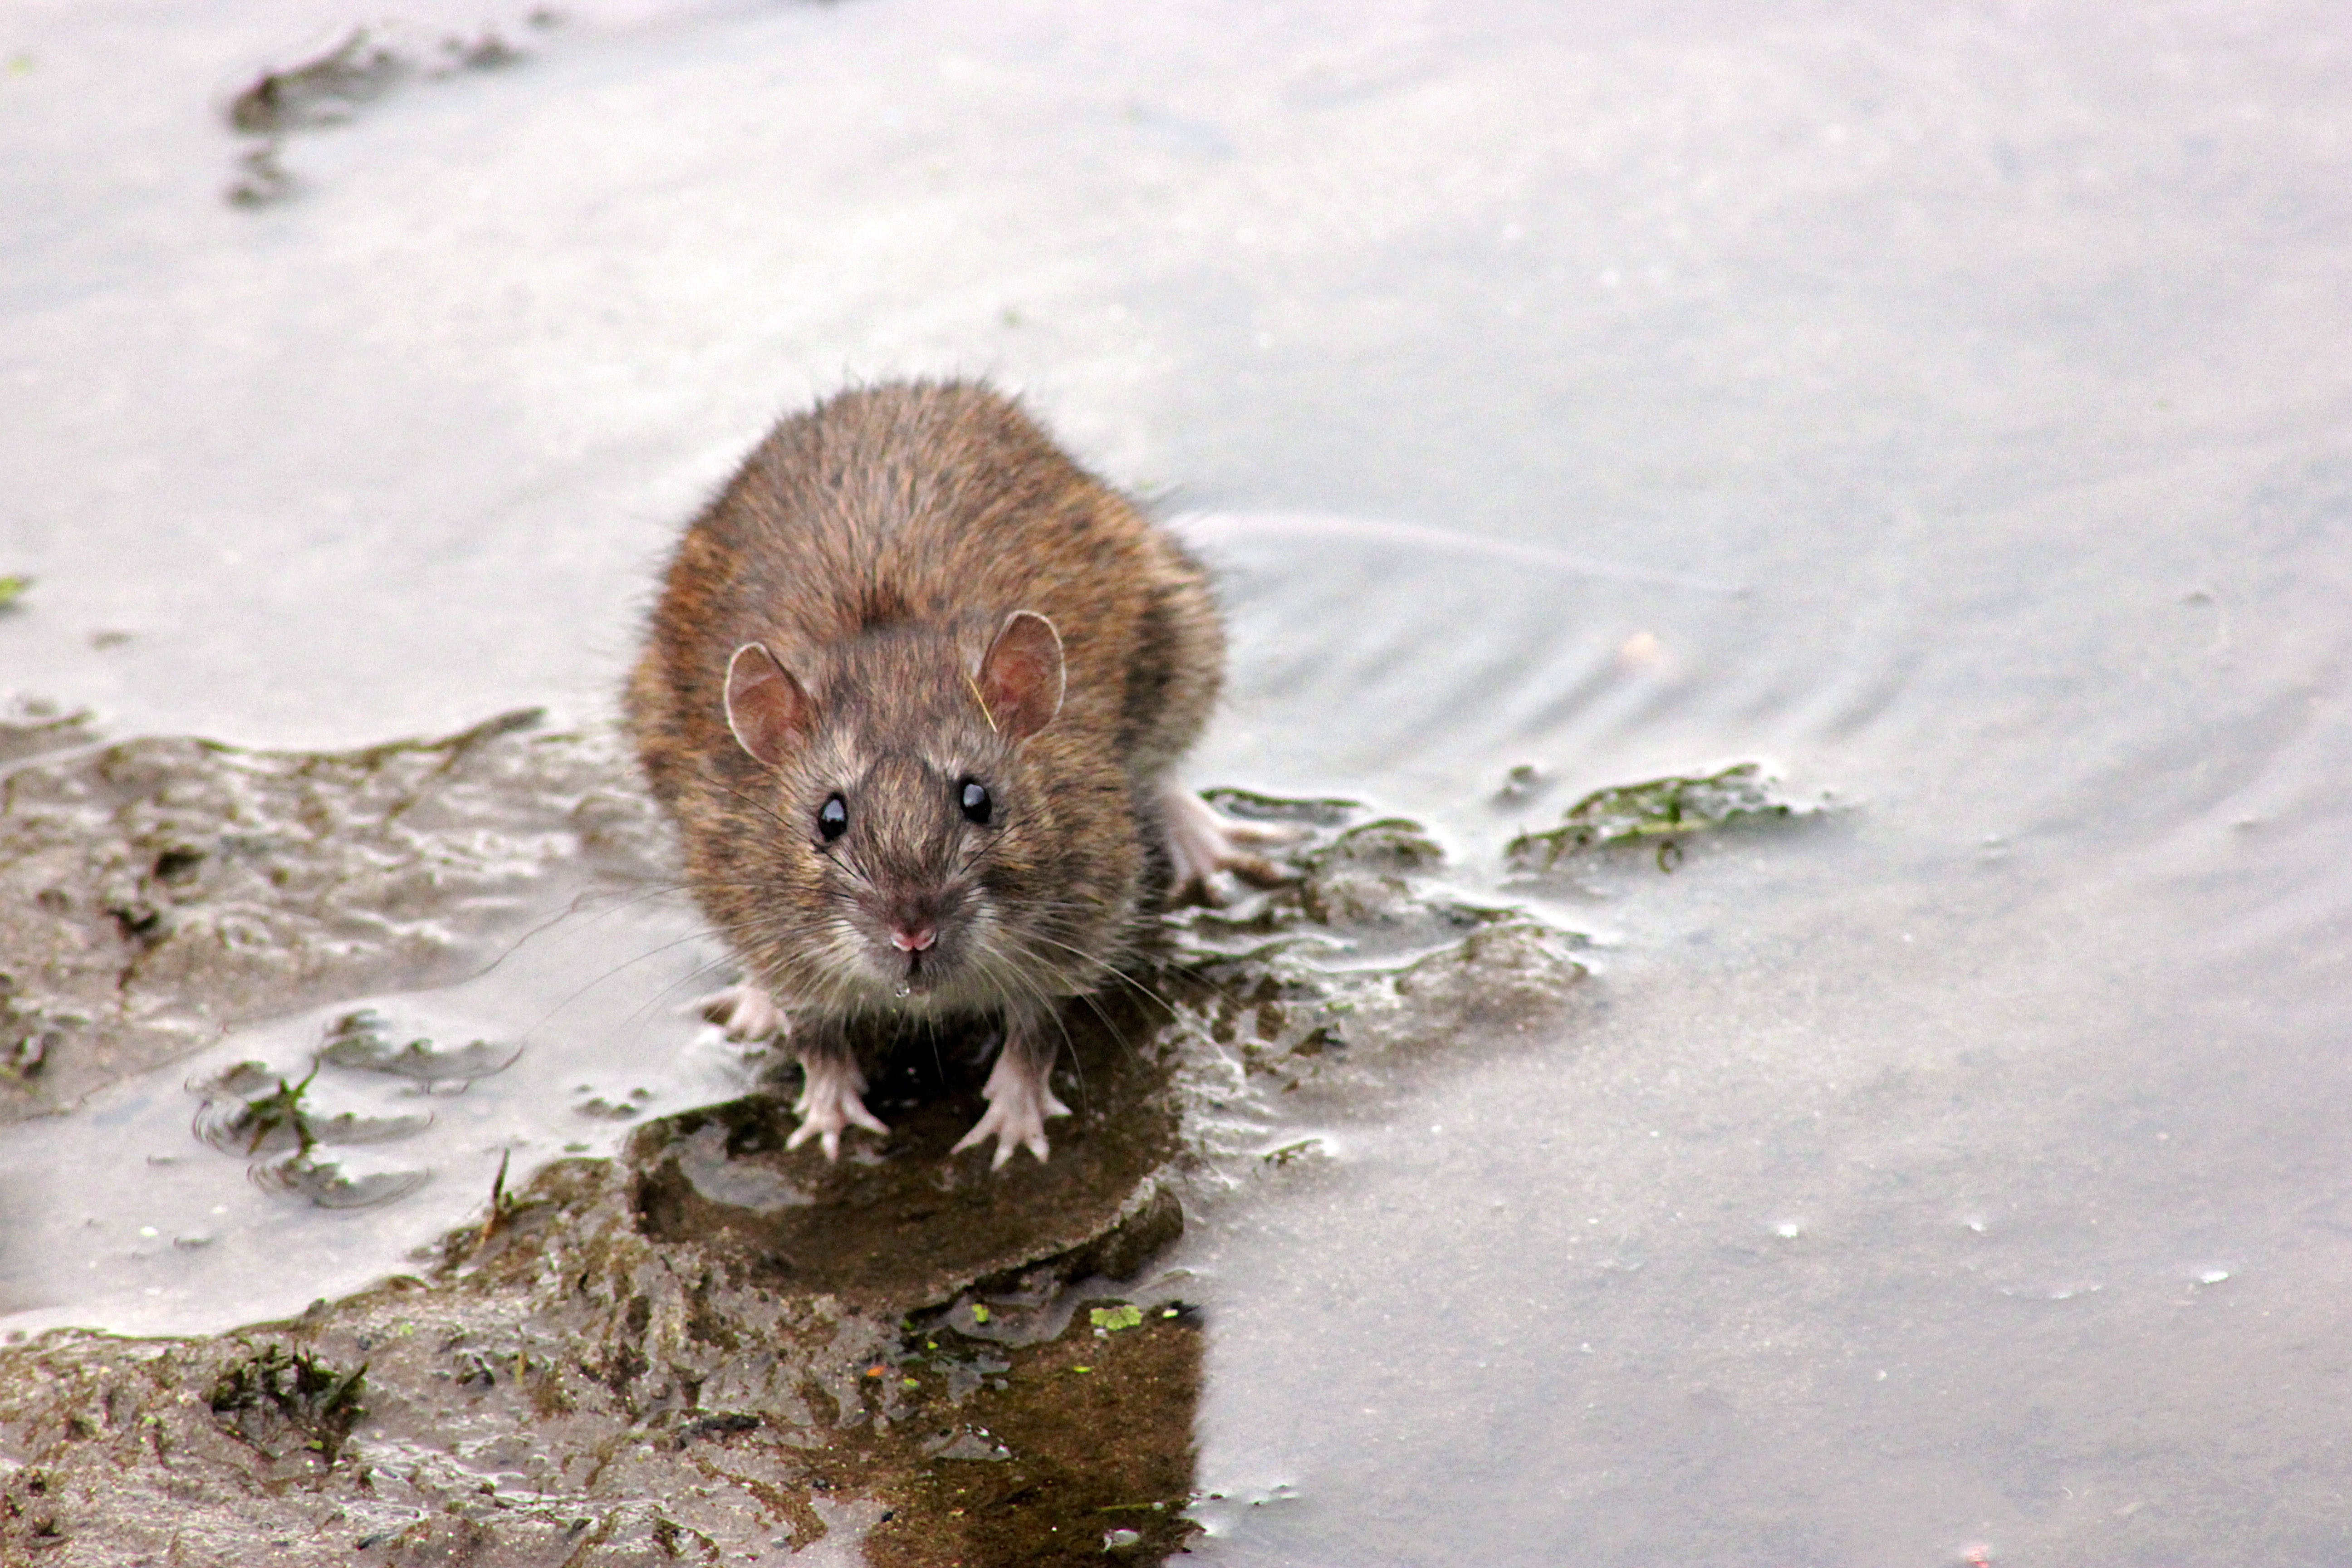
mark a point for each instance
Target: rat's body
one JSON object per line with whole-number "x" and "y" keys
{"x": 912, "y": 692}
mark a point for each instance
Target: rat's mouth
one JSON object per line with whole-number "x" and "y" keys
{"x": 910, "y": 949}
{"x": 922, "y": 974}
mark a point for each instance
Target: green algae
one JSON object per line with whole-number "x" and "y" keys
{"x": 1656, "y": 809}
{"x": 277, "y": 1394}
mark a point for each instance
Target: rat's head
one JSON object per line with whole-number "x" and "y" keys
{"x": 901, "y": 831}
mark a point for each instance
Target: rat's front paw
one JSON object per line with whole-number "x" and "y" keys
{"x": 1019, "y": 1100}
{"x": 746, "y": 1012}
{"x": 1204, "y": 841}
{"x": 831, "y": 1100}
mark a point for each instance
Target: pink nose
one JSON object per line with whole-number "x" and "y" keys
{"x": 913, "y": 939}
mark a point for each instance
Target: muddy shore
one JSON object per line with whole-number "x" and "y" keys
{"x": 707, "y": 1348}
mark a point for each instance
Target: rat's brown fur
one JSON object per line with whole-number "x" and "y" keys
{"x": 875, "y": 545}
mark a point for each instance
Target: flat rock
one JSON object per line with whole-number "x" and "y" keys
{"x": 901, "y": 1223}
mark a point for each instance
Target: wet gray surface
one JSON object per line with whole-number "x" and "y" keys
{"x": 1939, "y": 405}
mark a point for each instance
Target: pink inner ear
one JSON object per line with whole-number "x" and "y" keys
{"x": 767, "y": 709}
{"x": 1021, "y": 678}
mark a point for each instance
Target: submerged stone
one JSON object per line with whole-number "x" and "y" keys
{"x": 337, "y": 83}
{"x": 364, "y": 1042}
{"x": 32, "y": 727}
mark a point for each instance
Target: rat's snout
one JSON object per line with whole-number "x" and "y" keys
{"x": 910, "y": 922}
{"x": 912, "y": 959}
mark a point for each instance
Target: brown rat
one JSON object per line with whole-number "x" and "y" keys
{"x": 913, "y": 690}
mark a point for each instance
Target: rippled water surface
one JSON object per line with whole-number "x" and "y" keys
{"x": 1944, "y": 405}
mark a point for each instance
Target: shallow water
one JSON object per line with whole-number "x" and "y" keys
{"x": 154, "y": 1208}
{"x": 1938, "y": 404}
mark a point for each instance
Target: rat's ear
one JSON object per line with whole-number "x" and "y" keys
{"x": 766, "y": 708}
{"x": 1021, "y": 680}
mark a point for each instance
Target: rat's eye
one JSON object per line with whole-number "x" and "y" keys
{"x": 973, "y": 798}
{"x": 832, "y": 817}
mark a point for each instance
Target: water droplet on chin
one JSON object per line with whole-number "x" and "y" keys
{"x": 904, "y": 991}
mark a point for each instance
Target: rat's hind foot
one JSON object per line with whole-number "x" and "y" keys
{"x": 1019, "y": 1100}
{"x": 1204, "y": 841}
{"x": 746, "y": 1012}
{"x": 831, "y": 1091}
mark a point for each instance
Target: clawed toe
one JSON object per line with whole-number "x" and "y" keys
{"x": 745, "y": 1012}
{"x": 1255, "y": 869}
{"x": 831, "y": 1101}
{"x": 1012, "y": 1129}
{"x": 1018, "y": 1104}
{"x": 1239, "y": 831}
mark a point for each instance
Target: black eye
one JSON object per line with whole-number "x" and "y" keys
{"x": 973, "y": 798}
{"x": 832, "y": 817}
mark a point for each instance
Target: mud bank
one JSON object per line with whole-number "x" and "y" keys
{"x": 708, "y": 1348}
{"x": 159, "y": 891}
